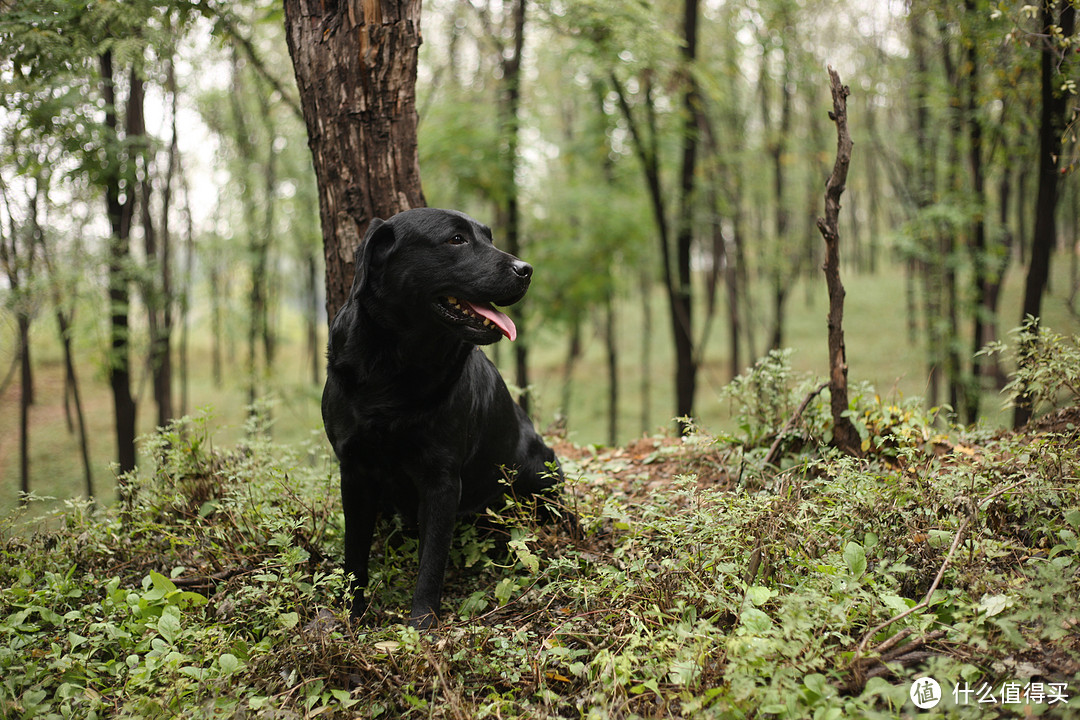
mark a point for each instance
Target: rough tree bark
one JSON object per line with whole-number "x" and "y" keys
{"x": 355, "y": 63}
{"x": 845, "y": 437}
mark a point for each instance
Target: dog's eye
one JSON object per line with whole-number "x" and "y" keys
{"x": 458, "y": 240}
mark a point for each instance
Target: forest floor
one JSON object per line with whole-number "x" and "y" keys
{"x": 705, "y": 582}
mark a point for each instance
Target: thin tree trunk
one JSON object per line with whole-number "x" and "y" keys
{"x": 510, "y": 109}
{"x": 845, "y": 437}
{"x": 64, "y": 326}
{"x": 311, "y": 288}
{"x": 18, "y": 266}
{"x": 981, "y": 278}
{"x": 153, "y": 298}
{"x": 646, "y": 284}
{"x": 162, "y": 340}
{"x": 680, "y": 295}
{"x": 71, "y": 380}
{"x": 263, "y": 242}
{"x": 612, "y": 368}
{"x": 928, "y": 269}
{"x": 573, "y": 352}
{"x": 185, "y": 293}
{"x": 26, "y": 399}
{"x": 781, "y": 278}
{"x": 120, "y": 213}
{"x": 1051, "y": 122}
{"x": 948, "y": 233}
{"x": 246, "y": 152}
{"x": 994, "y": 280}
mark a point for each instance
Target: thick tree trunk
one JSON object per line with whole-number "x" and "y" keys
{"x": 355, "y": 65}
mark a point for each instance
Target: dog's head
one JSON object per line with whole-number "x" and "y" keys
{"x": 439, "y": 268}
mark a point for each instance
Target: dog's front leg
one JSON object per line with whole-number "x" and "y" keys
{"x": 360, "y": 503}
{"x": 437, "y": 515}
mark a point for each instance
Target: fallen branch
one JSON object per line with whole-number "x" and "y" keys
{"x": 208, "y": 582}
{"x": 904, "y": 655}
{"x": 774, "y": 449}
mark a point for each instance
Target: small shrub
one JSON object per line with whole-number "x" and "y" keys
{"x": 1047, "y": 367}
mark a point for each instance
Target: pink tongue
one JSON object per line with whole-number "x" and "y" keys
{"x": 500, "y": 319}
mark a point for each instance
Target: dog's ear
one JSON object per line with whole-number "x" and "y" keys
{"x": 379, "y": 233}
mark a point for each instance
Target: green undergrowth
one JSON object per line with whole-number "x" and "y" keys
{"x": 817, "y": 586}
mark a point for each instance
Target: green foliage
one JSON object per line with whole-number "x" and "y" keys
{"x": 762, "y": 396}
{"x": 1047, "y": 373}
{"x": 213, "y": 589}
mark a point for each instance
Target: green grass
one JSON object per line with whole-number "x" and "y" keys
{"x": 879, "y": 352}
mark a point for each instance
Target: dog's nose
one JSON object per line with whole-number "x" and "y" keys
{"x": 522, "y": 269}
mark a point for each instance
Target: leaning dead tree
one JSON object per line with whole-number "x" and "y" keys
{"x": 845, "y": 437}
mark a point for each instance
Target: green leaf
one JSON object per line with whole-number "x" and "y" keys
{"x": 228, "y": 663}
{"x": 289, "y": 620}
{"x": 756, "y": 622}
{"x": 816, "y": 683}
{"x": 504, "y": 590}
{"x": 525, "y": 556}
{"x": 168, "y": 625}
{"x": 994, "y": 604}
{"x": 683, "y": 672}
{"x": 1073, "y": 518}
{"x": 759, "y": 595}
{"x": 855, "y": 557}
{"x": 162, "y": 586}
{"x": 344, "y": 697}
{"x": 896, "y": 603}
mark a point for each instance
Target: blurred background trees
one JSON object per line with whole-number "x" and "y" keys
{"x": 159, "y": 222}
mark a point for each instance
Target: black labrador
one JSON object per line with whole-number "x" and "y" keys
{"x": 421, "y": 421}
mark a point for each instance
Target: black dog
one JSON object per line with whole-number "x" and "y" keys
{"x": 420, "y": 419}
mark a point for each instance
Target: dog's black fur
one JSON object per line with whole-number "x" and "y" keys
{"x": 421, "y": 421}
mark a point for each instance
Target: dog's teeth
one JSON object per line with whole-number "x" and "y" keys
{"x": 487, "y": 323}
